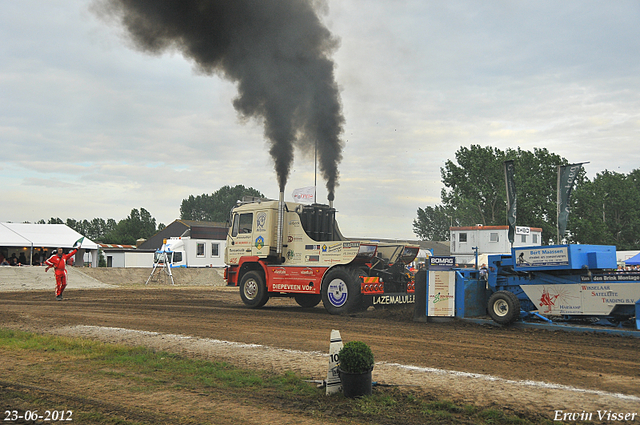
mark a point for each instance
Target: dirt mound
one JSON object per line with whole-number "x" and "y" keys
{"x": 138, "y": 276}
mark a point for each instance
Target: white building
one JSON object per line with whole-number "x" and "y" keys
{"x": 489, "y": 240}
{"x": 126, "y": 255}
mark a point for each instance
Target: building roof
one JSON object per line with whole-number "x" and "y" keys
{"x": 194, "y": 229}
{"x": 41, "y": 235}
{"x": 534, "y": 229}
{"x": 110, "y": 247}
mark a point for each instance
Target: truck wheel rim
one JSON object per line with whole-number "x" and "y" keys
{"x": 250, "y": 289}
{"x": 337, "y": 292}
{"x": 500, "y": 308}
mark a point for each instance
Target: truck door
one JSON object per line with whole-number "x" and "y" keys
{"x": 241, "y": 237}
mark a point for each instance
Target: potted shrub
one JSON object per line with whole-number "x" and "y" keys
{"x": 355, "y": 363}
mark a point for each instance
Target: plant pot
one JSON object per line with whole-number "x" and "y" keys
{"x": 355, "y": 384}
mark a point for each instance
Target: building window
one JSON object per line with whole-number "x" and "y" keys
{"x": 200, "y": 250}
{"x": 215, "y": 250}
{"x": 493, "y": 237}
{"x": 109, "y": 261}
{"x": 523, "y": 238}
{"x": 535, "y": 238}
{"x": 462, "y": 237}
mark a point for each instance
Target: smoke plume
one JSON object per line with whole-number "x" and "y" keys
{"x": 276, "y": 51}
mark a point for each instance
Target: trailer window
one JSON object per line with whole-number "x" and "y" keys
{"x": 242, "y": 223}
{"x": 523, "y": 238}
{"x": 535, "y": 238}
{"x": 200, "y": 250}
{"x": 215, "y": 249}
{"x": 462, "y": 237}
{"x": 493, "y": 237}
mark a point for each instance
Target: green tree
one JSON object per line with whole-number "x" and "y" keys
{"x": 607, "y": 210}
{"x": 432, "y": 223}
{"x": 139, "y": 224}
{"x": 474, "y": 186}
{"x": 215, "y": 207}
{"x": 536, "y": 176}
{"x": 475, "y": 193}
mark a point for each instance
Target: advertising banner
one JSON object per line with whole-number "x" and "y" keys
{"x": 566, "y": 177}
{"x": 576, "y": 299}
{"x": 509, "y": 178}
{"x": 305, "y": 194}
{"x": 541, "y": 256}
{"x": 442, "y": 263}
{"x": 441, "y": 296}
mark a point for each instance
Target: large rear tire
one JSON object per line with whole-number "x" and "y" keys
{"x": 341, "y": 291}
{"x": 308, "y": 300}
{"x": 504, "y": 307}
{"x": 253, "y": 290}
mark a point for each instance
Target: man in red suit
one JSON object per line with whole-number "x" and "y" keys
{"x": 58, "y": 261}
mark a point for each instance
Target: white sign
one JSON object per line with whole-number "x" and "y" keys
{"x": 523, "y": 230}
{"x": 305, "y": 194}
{"x": 441, "y": 300}
{"x": 598, "y": 298}
{"x": 542, "y": 256}
{"x": 334, "y": 384}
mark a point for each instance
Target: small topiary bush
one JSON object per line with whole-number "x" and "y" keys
{"x": 355, "y": 357}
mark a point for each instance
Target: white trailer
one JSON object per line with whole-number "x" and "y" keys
{"x": 187, "y": 252}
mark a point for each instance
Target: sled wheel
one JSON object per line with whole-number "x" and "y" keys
{"x": 308, "y": 300}
{"x": 504, "y": 307}
{"x": 341, "y": 291}
{"x": 253, "y": 291}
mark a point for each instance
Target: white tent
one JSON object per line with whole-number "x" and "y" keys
{"x": 51, "y": 236}
{"x": 9, "y": 237}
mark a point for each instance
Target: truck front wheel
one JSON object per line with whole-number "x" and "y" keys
{"x": 341, "y": 291}
{"x": 504, "y": 307}
{"x": 253, "y": 290}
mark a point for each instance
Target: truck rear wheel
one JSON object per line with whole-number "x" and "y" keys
{"x": 308, "y": 300}
{"x": 253, "y": 290}
{"x": 504, "y": 307}
{"x": 341, "y": 291}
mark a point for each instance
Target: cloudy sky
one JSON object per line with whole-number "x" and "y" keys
{"x": 90, "y": 127}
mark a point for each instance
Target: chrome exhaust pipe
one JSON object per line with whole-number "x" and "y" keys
{"x": 280, "y": 228}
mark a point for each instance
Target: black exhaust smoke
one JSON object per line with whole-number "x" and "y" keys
{"x": 276, "y": 51}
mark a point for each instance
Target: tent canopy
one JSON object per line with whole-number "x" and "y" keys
{"x": 10, "y": 238}
{"x": 633, "y": 261}
{"x": 41, "y": 235}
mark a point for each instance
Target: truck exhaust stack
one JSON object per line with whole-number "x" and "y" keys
{"x": 280, "y": 227}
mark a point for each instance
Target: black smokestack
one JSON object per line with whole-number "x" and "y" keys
{"x": 278, "y": 53}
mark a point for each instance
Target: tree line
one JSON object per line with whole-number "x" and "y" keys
{"x": 140, "y": 224}
{"x": 604, "y": 210}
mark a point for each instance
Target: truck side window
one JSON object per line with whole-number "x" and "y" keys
{"x": 246, "y": 222}
{"x": 177, "y": 257}
{"x": 242, "y": 223}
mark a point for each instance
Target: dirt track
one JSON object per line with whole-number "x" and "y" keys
{"x": 607, "y": 367}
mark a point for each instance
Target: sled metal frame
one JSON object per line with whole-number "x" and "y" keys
{"x": 166, "y": 268}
